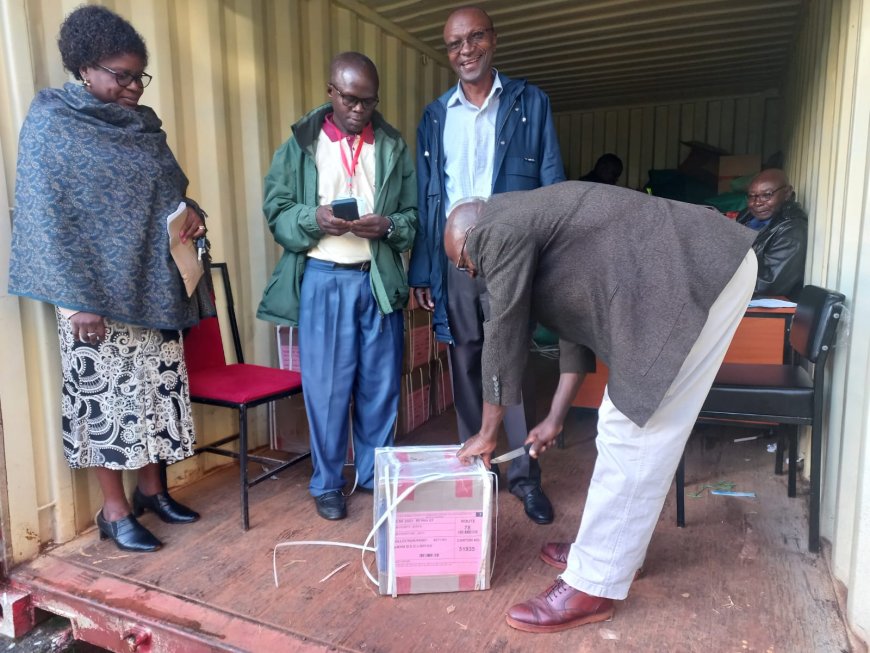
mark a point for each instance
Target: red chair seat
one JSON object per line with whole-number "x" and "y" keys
{"x": 242, "y": 383}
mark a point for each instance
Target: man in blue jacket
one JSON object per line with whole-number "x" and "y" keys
{"x": 489, "y": 134}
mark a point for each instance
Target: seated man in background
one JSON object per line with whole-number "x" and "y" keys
{"x": 781, "y": 243}
{"x": 607, "y": 170}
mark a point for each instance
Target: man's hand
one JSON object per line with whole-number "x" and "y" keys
{"x": 193, "y": 226}
{"x": 424, "y": 299}
{"x": 328, "y": 223}
{"x": 477, "y": 445}
{"x": 543, "y": 436}
{"x": 371, "y": 226}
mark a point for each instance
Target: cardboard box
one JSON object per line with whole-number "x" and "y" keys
{"x": 717, "y": 167}
{"x": 419, "y": 339}
{"x": 291, "y": 426}
{"x": 442, "y": 385}
{"x": 415, "y": 399}
{"x": 434, "y": 518}
{"x": 288, "y": 347}
{"x": 734, "y": 166}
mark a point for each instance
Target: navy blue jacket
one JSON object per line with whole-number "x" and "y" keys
{"x": 527, "y": 156}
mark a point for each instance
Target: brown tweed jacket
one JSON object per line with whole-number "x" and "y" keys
{"x": 630, "y": 276}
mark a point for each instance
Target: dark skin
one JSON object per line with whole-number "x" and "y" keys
{"x": 471, "y": 28}
{"x": 768, "y": 181}
{"x": 91, "y": 328}
{"x": 349, "y": 79}
{"x": 462, "y": 219}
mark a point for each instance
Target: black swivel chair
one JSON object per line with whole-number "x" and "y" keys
{"x": 782, "y": 394}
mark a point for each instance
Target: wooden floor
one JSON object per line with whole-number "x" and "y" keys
{"x": 737, "y": 578}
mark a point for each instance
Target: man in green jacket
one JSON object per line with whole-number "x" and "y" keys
{"x": 341, "y": 279}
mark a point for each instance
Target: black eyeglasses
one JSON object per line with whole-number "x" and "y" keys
{"x": 474, "y": 39}
{"x": 751, "y": 198}
{"x": 459, "y": 266}
{"x": 125, "y": 79}
{"x": 350, "y": 101}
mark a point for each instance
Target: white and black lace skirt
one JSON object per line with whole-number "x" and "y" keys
{"x": 125, "y": 401}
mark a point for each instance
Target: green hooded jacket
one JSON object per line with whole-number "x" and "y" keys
{"x": 290, "y": 201}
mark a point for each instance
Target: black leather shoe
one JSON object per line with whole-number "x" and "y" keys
{"x": 331, "y": 505}
{"x": 538, "y": 506}
{"x": 128, "y": 534}
{"x": 164, "y": 506}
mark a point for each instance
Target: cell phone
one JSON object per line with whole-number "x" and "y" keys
{"x": 345, "y": 208}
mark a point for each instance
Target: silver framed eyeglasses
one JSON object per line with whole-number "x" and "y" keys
{"x": 124, "y": 78}
{"x": 751, "y": 198}
{"x": 474, "y": 39}
{"x": 459, "y": 266}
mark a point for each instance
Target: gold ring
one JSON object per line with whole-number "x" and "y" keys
{"x": 201, "y": 227}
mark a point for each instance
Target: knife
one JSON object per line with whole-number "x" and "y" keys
{"x": 510, "y": 455}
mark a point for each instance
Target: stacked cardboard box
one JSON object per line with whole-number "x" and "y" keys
{"x": 442, "y": 385}
{"x": 415, "y": 406}
{"x": 435, "y": 521}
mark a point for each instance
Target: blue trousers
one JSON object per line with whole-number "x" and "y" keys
{"x": 347, "y": 350}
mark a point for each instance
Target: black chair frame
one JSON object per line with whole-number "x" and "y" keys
{"x": 782, "y": 395}
{"x": 242, "y": 455}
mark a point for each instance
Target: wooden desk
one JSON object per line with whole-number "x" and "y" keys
{"x": 762, "y": 338}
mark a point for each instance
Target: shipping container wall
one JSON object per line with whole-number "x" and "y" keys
{"x": 230, "y": 78}
{"x": 826, "y": 132}
{"x": 648, "y": 136}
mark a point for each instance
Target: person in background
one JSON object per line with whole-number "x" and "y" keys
{"x": 343, "y": 282}
{"x": 96, "y": 181}
{"x": 607, "y": 170}
{"x": 781, "y": 243}
{"x": 488, "y": 134}
{"x": 656, "y": 289}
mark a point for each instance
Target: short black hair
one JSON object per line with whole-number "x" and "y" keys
{"x": 357, "y": 61}
{"x": 93, "y": 33}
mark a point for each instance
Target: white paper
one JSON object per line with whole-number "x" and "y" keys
{"x": 184, "y": 254}
{"x": 770, "y": 302}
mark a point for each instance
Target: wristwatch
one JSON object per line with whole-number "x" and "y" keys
{"x": 390, "y": 229}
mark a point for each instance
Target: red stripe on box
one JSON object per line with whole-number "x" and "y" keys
{"x": 463, "y": 488}
{"x": 467, "y": 582}
{"x": 403, "y": 584}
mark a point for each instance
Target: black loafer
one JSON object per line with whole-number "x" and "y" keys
{"x": 331, "y": 505}
{"x": 538, "y": 507}
{"x": 164, "y": 506}
{"x": 128, "y": 534}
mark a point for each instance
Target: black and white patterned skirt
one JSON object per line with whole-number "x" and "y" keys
{"x": 125, "y": 401}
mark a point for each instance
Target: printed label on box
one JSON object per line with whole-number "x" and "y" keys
{"x": 438, "y": 543}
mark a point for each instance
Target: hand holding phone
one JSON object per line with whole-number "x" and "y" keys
{"x": 346, "y": 209}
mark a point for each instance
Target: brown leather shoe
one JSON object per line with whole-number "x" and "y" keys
{"x": 559, "y": 608}
{"x": 555, "y": 554}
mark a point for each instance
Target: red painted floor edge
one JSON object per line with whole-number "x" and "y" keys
{"x": 104, "y": 609}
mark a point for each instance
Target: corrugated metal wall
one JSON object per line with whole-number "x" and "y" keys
{"x": 648, "y": 136}
{"x": 230, "y": 77}
{"x": 827, "y": 129}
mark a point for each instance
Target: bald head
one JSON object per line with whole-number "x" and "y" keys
{"x": 357, "y": 62}
{"x": 767, "y": 193}
{"x": 464, "y": 216}
{"x": 470, "y": 11}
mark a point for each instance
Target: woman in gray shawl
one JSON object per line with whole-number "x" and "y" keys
{"x": 95, "y": 184}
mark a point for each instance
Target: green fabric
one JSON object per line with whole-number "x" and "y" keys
{"x": 732, "y": 201}
{"x": 543, "y": 337}
{"x": 290, "y": 202}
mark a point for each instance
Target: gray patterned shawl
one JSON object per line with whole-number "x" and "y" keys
{"x": 95, "y": 184}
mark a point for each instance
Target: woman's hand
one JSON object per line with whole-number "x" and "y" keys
{"x": 193, "y": 226}
{"x": 88, "y": 327}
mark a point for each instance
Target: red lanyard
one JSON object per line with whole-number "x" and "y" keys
{"x": 350, "y": 168}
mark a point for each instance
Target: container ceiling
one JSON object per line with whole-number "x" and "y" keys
{"x": 595, "y": 53}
